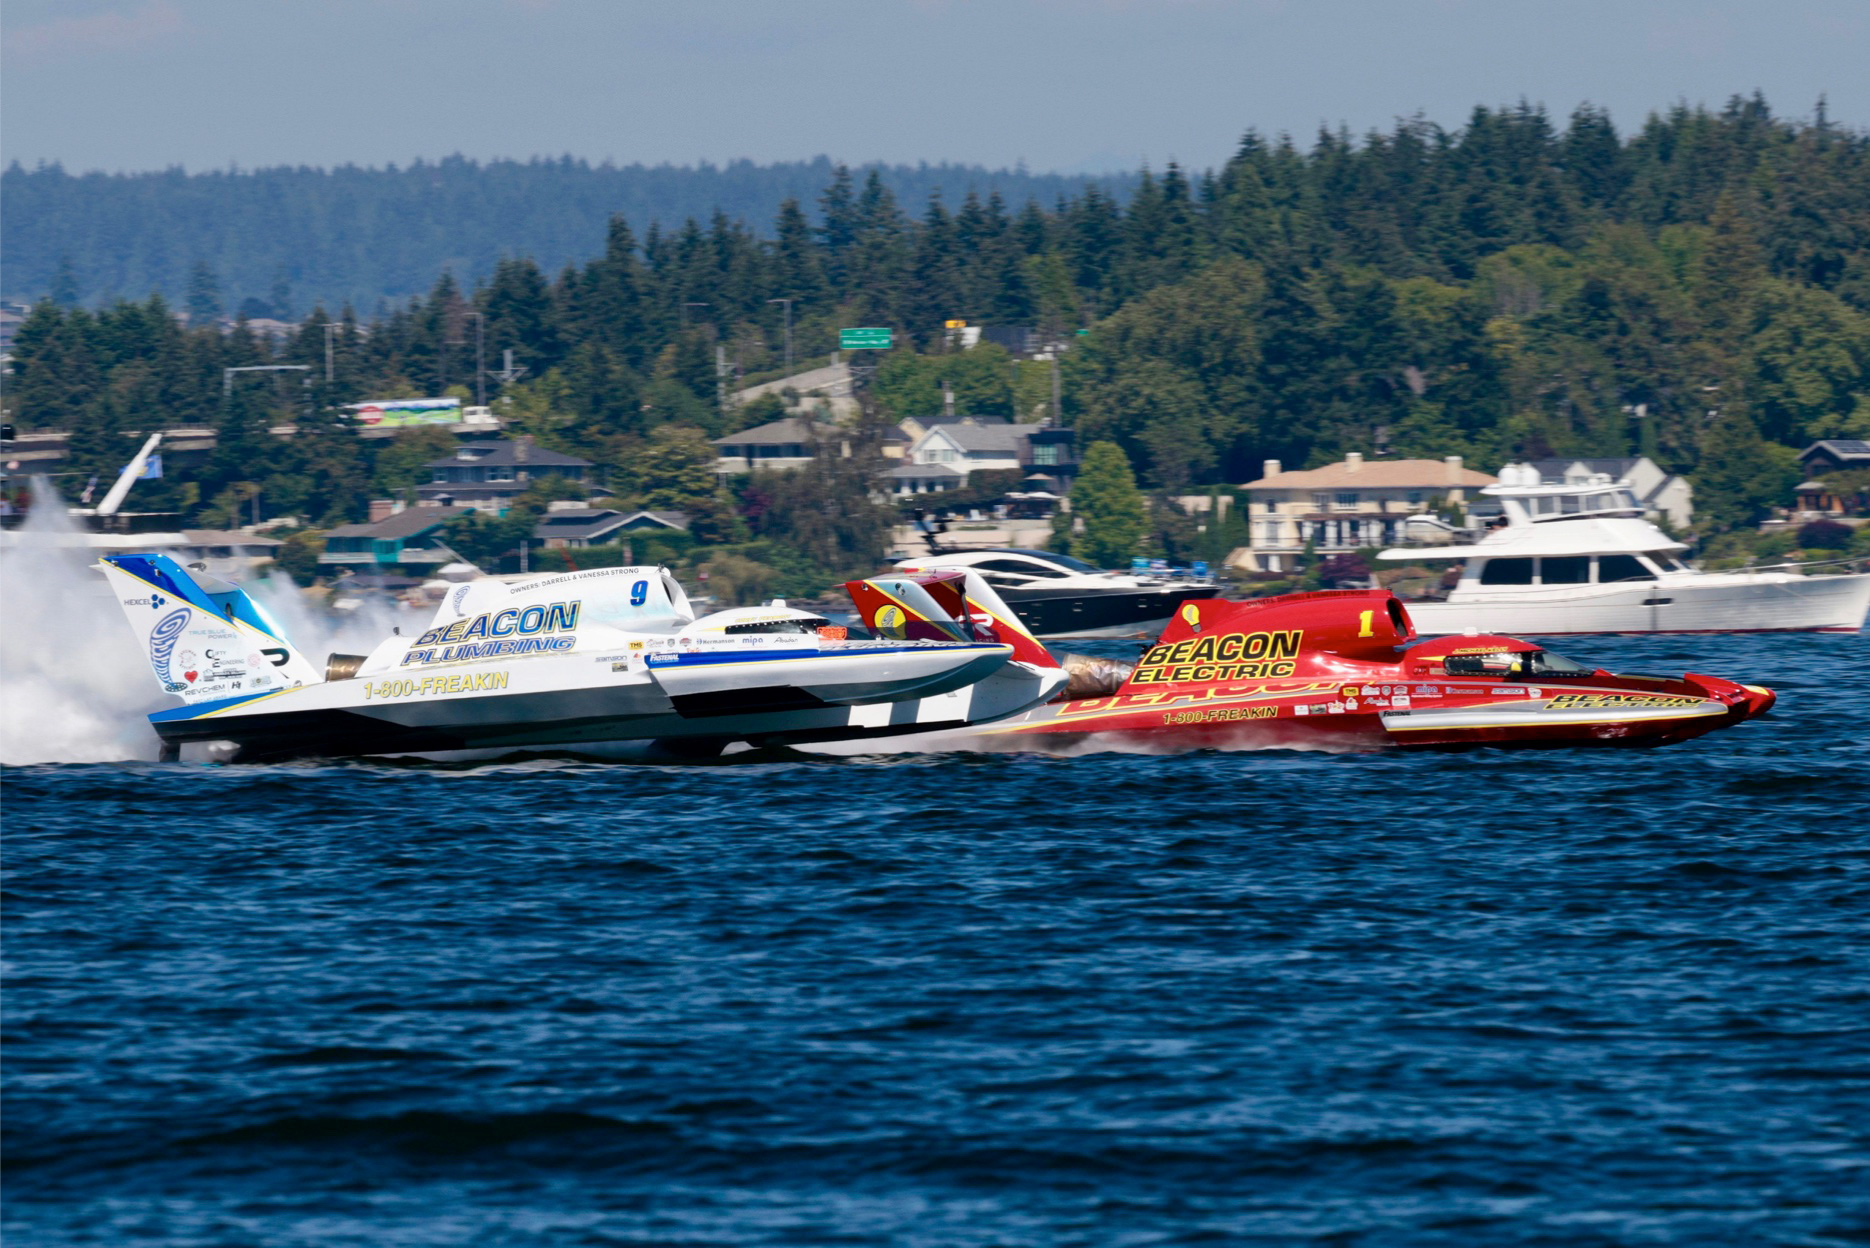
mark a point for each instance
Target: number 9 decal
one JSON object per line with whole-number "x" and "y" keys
{"x": 639, "y": 593}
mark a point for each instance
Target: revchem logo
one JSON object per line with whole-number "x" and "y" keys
{"x": 162, "y": 641}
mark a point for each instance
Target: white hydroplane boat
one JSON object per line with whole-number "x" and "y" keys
{"x": 567, "y": 660}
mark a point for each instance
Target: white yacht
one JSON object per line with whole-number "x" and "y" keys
{"x": 1578, "y": 557}
{"x": 1059, "y": 597}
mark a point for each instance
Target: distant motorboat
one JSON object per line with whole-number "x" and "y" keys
{"x": 1580, "y": 558}
{"x": 1061, "y": 598}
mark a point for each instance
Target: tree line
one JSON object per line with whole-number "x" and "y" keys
{"x": 1698, "y": 290}
{"x": 280, "y": 241}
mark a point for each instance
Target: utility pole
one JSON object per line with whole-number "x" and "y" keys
{"x": 788, "y": 304}
{"x": 1058, "y": 417}
{"x": 480, "y": 357}
{"x": 720, "y": 377}
{"x": 509, "y": 372}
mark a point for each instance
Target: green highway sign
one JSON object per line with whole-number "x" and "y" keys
{"x": 863, "y": 339}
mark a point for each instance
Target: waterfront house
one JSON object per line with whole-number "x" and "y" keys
{"x": 1347, "y": 505}
{"x": 407, "y": 538}
{"x": 489, "y": 475}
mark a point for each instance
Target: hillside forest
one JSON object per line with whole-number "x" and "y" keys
{"x": 1698, "y": 291}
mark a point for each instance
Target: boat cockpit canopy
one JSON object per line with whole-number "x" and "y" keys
{"x": 1515, "y": 664}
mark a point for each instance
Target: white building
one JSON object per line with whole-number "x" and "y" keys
{"x": 1344, "y": 506}
{"x": 944, "y": 454}
{"x": 1664, "y": 495}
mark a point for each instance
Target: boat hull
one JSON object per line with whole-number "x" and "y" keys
{"x": 580, "y": 700}
{"x": 1330, "y": 715}
{"x": 1713, "y": 604}
{"x": 1081, "y": 614}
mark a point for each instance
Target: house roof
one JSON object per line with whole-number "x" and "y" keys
{"x": 1378, "y": 474}
{"x": 1555, "y": 466}
{"x": 778, "y": 433}
{"x": 504, "y": 454}
{"x": 1844, "y": 450}
{"x": 929, "y": 422}
{"x": 229, "y": 537}
{"x": 663, "y": 519}
{"x": 975, "y": 437}
{"x": 924, "y": 472}
{"x": 406, "y": 523}
{"x": 589, "y": 522}
{"x": 580, "y": 522}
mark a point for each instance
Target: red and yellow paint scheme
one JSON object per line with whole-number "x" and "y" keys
{"x": 1344, "y": 669}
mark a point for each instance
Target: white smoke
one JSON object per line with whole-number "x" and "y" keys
{"x": 75, "y": 686}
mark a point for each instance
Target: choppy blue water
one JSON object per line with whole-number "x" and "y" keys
{"x": 1275, "y": 998}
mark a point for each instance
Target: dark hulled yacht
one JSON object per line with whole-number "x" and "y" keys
{"x": 1059, "y": 597}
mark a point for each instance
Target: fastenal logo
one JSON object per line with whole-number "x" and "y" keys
{"x": 162, "y": 641}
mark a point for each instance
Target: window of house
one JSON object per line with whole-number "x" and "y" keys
{"x": 1415, "y": 497}
{"x": 499, "y": 472}
{"x": 1507, "y": 572}
{"x": 1347, "y": 499}
{"x": 1046, "y": 453}
{"x": 1321, "y": 502}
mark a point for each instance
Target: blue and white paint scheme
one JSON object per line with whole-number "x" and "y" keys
{"x": 563, "y": 660}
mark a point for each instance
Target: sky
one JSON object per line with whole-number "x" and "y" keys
{"x": 1074, "y": 86}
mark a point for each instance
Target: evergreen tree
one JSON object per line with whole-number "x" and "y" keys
{"x": 204, "y": 295}
{"x": 1105, "y": 499}
{"x": 1741, "y": 474}
{"x": 65, "y": 284}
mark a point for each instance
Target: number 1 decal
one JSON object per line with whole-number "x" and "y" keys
{"x": 1363, "y": 623}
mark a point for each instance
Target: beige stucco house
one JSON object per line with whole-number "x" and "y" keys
{"x": 1346, "y": 505}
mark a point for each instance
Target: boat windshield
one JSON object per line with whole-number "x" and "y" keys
{"x": 1076, "y": 565}
{"x": 1521, "y": 664}
{"x": 807, "y": 626}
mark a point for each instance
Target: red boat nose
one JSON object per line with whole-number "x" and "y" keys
{"x": 1760, "y": 699}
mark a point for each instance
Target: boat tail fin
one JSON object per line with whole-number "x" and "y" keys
{"x": 943, "y": 606}
{"x": 205, "y": 638}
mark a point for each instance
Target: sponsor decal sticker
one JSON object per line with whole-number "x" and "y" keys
{"x": 1619, "y": 701}
{"x": 511, "y": 631}
{"x": 1226, "y": 656}
{"x": 1219, "y": 714}
{"x": 435, "y": 686}
{"x": 162, "y": 645}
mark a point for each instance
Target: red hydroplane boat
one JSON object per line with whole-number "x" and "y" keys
{"x": 1339, "y": 668}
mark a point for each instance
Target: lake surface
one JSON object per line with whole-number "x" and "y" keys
{"x": 1252, "y": 998}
